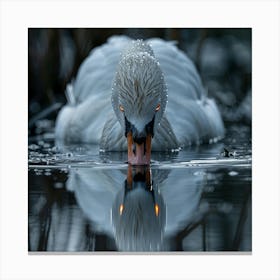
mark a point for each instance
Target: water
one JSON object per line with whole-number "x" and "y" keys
{"x": 196, "y": 200}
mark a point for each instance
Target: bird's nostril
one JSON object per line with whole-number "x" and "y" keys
{"x": 139, "y": 139}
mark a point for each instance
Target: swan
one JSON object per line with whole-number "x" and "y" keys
{"x": 138, "y": 96}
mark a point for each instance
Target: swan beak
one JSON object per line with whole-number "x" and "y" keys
{"x": 139, "y": 154}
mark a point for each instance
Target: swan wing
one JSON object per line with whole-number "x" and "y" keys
{"x": 83, "y": 119}
{"x": 95, "y": 191}
{"x": 181, "y": 199}
{"x": 194, "y": 117}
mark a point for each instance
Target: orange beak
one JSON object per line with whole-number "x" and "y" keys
{"x": 139, "y": 154}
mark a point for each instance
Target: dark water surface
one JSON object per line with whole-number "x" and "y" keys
{"x": 196, "y": 200}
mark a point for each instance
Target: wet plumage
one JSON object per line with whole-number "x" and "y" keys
{"x": 137, "y": 75}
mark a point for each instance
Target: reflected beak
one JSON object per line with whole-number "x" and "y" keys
{"x": 139, "y": 154}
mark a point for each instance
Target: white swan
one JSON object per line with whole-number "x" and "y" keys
{"x": 133, "y": 77}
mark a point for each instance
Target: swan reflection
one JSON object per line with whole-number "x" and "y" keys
{"x": 141, "y": 209}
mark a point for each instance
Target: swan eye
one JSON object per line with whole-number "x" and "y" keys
{"x": 156, "y": 209}
{"x": 158, "y": 107}
{"x": 121, "y": 209}
{"x": 121, "y": 108}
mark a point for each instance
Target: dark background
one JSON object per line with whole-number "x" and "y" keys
{"x": 222, "y": 57}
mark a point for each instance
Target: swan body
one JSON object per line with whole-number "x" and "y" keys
{"x": 129, "y": 91}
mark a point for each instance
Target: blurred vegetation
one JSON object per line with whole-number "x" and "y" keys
{"x": 221, "y": 55}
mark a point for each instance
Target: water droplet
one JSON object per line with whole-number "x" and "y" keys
{"x": 199, "y": 173}
{"x": 233, "y": 173}
{"x": 33, "y": 147}
{"x": 46, "y": 145}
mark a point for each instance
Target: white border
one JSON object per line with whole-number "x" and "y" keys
{"x": 17, "y": 16}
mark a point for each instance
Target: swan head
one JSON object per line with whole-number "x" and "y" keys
{"x": 139, "y": 96}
